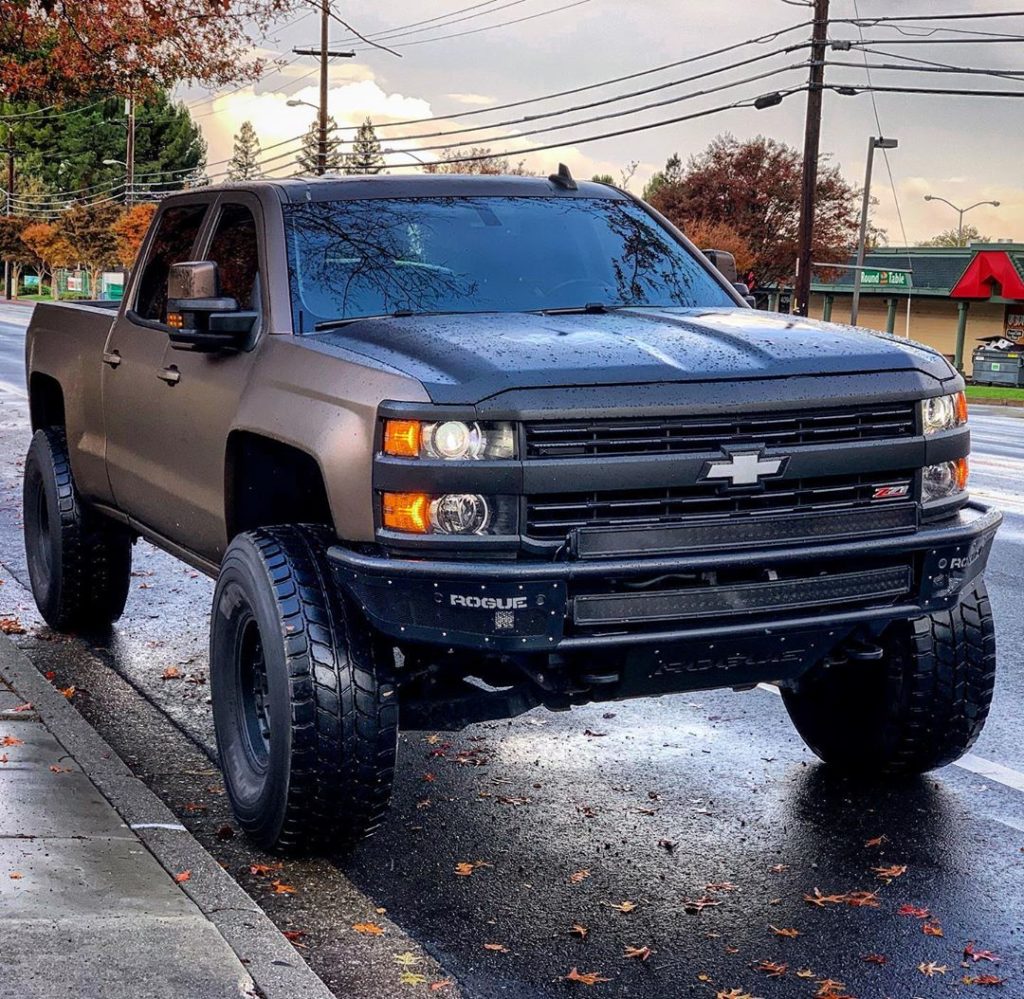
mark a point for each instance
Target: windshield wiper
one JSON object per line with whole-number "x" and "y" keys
{"x": 590, "y": 309}
{"x": 333, "y": 324}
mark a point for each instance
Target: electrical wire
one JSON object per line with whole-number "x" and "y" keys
{"x": 399, "y": 33}
{"x": 846, "y": 88}
{"x": 1009, "y": 74}
{"x": 934, "y": 68}
{"x": 870, "y": 22}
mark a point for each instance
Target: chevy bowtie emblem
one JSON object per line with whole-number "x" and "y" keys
{"x": 744, "y": 468}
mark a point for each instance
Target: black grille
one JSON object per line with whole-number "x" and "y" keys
{"x": 700, "y": 434}
{"x": 551, "y": 516}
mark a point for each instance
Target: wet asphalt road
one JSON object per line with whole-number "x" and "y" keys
{"x": 708, "y": 798}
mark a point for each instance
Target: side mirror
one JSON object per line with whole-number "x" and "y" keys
{"x": 745, "y": 294}
{"x": 200, "y": 318}
{"x": 724, "y": 261}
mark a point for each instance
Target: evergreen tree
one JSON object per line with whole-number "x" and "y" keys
{"x": 66, "y": 152}
{"x": 308, "y": 154}
{"x": 244, "y": 162}
{"x": 366, "y": 155}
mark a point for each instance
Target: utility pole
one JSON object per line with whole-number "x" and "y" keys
{"x": 324, "y": 53}
{"x": 873, "y": 144}
{"x": 129, "y": 159}
{"x": 9, "y": 207}
{"x": 812, "y": 139}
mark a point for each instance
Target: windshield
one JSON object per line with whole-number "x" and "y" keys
{"x": 355, "y": 258}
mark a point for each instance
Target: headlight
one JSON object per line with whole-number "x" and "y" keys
{"x": 449, "y": 513}
{"x": 945, "y": 480}
{"x": 944, "y": 412}
{"x": 451, "y": 440}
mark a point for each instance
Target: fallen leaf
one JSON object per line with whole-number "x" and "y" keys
{"x": 68, "y": 692}
{"x": 369, "y": 929}
{"x": 829, "y": 985}
{"x": 731, "y": 950}
{"x": 772, "y": 969}
{"x": 27, "y": 706}
{"x": 496, "y": 947}
{"x": 979, "y": 955}
{"x": 804, "y": 973}
{"x": 579, "y": 876}
{"x": 585, "y": 977}
{"x": 444, "y": 983}
{"x": 10, "y": 740}
{"x": 225, "y": 832}
{"x": 931, "y": 969}
{"x": 778, "y": 868}
{"x": 264, "y": 869}
{"x": 54, "y": 769}
{"x": 704, "y": 977}
{"x": 637, "y": 953}
{"x": 429, "y": 778}
{"x": 579, "y": 931}
{"x": 594, "y": 735}
{"x": 983, "y": 980}
{"x": 820, "y": 900}
{"x": 932, "y": 930}
{"x": 15, "y": 875}
{"x": 789, "y": 933}
{"x": 694, "y": 905}
{"x": 876, "y": 959}
{"x": 183, "y": 877}
{"x": 412, "y": 978}
{"x": 863, "y": 899}
{"x": 282, "y": 889}
{"x": 913, "y": 910}
{"x": 465, "y": 868}
{"x": 4, "y": 758}
{"x": 622, "y": 906}
{"x": 11, "y": 626}
{"x": 726, "y": 886}
{"x": 192, "y": 806}
{"x": 889, "y": 874}
{"x": 50, "y": 675}
{"x": 877, "y": 841}
{"x": 734, "y": 994}
{"x": 171, "y": 673}
{"x": 294, "y": 935}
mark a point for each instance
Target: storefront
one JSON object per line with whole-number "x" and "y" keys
{"x": 946, "y": 297}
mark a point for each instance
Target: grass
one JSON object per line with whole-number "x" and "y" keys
{"x": 996, "y": 393}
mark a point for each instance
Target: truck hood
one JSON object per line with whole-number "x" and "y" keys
{"x": 464, "y": 359}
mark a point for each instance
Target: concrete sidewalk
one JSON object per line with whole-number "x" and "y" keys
{"x": 96, "y": 904}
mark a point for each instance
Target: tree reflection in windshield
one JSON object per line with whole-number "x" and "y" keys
{"x": 354, "y": 258}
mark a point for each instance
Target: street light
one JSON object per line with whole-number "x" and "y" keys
{"x": 296, "y": 103}
{"x": 961, "y": 212}
{"x": 873, "y": 144}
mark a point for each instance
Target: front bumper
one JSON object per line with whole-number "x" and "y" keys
{"x": 532, "y": 606}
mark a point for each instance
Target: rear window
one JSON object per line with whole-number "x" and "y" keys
{"x": 349, "y": 259}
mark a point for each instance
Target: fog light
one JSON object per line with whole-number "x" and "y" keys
{"x": 460, "y": 513}
{"x": 944, "y": 480}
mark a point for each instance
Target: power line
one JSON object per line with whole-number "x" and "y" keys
{"x": 689, "y": 60}
{"x": 935, "y": 68}
{"x": 852, "y": 90}
{"x": 621, "y": 97}
{"x": 869, "y": 22}
{"x": 400, "y": 33}
{"x": 1008, "y": 74}
{"x": 430, "y": 20}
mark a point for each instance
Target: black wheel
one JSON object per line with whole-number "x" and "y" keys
{"x": 303, "y": 690}
{"x": 79, "y": 562}
{"x": 921, "y": 706}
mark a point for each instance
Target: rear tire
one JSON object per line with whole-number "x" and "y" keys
{"x": 303, "y": 691}
{"x": 79, "y": 562}
{"x": 921, "y": 706}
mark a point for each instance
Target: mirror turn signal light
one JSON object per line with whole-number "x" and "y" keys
{"x": 402, "y": 438}
{"x": 175, "y": 320}
{"x": 408, "y": 512}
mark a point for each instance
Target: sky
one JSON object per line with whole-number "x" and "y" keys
{"x": 964, "y": 149}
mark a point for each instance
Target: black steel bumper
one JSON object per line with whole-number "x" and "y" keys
{"x": 531, "y": 606}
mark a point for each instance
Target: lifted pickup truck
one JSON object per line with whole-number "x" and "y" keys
{"x": 454, "y": 447}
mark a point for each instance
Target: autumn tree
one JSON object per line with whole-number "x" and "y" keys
{"x": 720, "y": 236}
{"x": 129, "y": 231}
{"x": 244, "y": 162}
{"x": 48, "y": 249}
{"x": 13, "y": 252}
{"x": 58, "y": 50}
{"x": 672, "y": 174}
{"x": 89, "y": 230}
{"x": 754, "y": 188}
{"x": 308, "y": 157}
{"x": 480, "y": 160}
{"x": 954, "y": 237}
{"x": 365, "y": 156}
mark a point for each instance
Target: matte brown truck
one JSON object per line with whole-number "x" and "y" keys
{"x": 455, "y": 447}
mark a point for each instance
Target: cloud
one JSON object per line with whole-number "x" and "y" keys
{"x": 475, "y": 99}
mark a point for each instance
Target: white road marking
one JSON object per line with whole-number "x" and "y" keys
{"x": 1006, "y": 776}
{"x": 173, "y": 826}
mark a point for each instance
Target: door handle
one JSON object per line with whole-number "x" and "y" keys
{"x": 111, "y": 357}
{"x": 170, "y": 375}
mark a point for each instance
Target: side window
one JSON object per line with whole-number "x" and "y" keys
{"x": 175, "y": 236}
{"x": 235, "y": 250}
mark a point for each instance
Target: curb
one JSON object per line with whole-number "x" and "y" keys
{"x": 275, "y": 966}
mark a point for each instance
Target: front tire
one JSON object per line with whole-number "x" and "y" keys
{"x": 79, "y": 562}
{"x": 303, "y": 691}
{"x": 921, "y": 706}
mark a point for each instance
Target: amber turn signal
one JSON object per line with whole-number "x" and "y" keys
{"x": 408, "y": 512}
{"x": 961, "y": 408}
{"x": 961, "y": 474}
{"x": 175, "y": 320}
{"x": 402, "y": 438}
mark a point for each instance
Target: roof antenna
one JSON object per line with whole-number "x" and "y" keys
{"x": 563, "y": 178}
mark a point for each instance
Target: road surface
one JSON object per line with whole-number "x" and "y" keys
{"x": 704, "y": 810}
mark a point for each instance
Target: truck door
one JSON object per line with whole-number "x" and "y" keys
{"x": 132, "y": 363}
{"x": 200, "y": 398}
